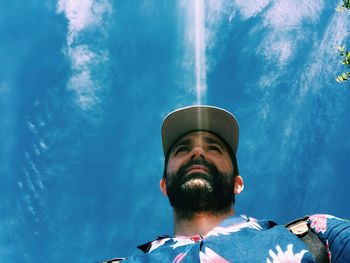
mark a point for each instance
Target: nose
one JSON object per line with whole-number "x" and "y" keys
{"x": 197, "y": 152}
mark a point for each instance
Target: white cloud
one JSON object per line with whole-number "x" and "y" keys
{"x": 286, "y": 26}
{"x": 250, "y": 8}
{"x": 282, "y": 13}
{"x": 81, "y": 56}
{"x": 335, "y": 33}
{"x": 30, "y": 207}
{"x": 39, "y": 121}
{"x": 82, "y": 59}
{"x": 36, "y": 150}
{"x": 82, "y": 15}
{"x": 264, "y": 110}
{"x": 43, "y": 145}
{"x": 29, "y": 196}
{"x": 85, "y": 89}
{"x": 284, "y": 20}
{"x": 318, "y": 72}
{"x": 288, "y": 129}
{"x": 35, "y": 172}
{"x": 33, "y": 166}
{"x": 29, "y": 183}
{"x": 32, "y": 127}
{"x": 291, "y": 13}
{"x": 31, "y": 188}
{"x": 217, "y": 12}
{"x": 277, "y": 48}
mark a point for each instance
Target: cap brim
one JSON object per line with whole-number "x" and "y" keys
{"x": 195, "y": 118}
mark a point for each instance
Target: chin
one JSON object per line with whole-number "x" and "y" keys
{"x": 197, "y": 183}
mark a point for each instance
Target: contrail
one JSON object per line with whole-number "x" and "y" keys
{"x": 200, "y": 48}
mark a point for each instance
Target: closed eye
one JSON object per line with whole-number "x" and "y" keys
{"x": 182, "y": 148}
{"x": 214, "y": 148}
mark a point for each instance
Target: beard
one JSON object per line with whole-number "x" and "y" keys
{"x": 200, "y": 191}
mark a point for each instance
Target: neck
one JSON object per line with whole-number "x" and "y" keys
{"x": 199, "y": 223}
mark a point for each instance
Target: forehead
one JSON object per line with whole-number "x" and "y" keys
{"x": 203, "y": 136}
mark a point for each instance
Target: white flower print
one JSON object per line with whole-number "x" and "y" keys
{"x": 285, "y": 256}
{"x": 209, "y": 256}
{"x": 158, "y": 243}
{"x": 181, "y": 242}
{"x": 233, "y": 228}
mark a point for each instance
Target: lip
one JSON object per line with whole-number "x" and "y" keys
{"x": 197, "y": 168}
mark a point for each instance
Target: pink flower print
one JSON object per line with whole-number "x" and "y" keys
{"x": 196, "y": 238}
{"x": 226, "y": 230}
{"x": 285, "y": 256}
{"x": 329, "y": 252}
{"x": 179, "y": 258}
{"x": 209, "y": 256}
{"x": 181, "y": 241}
{"x": 319, "y": 223}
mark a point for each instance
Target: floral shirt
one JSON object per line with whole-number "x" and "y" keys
{"x": 245, "y": 239}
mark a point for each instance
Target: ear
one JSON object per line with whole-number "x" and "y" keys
{"x": 162, "y": 186}
{"x": 239, "y": 185}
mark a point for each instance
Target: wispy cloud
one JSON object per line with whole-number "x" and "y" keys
{"x": 317, "y": 73}
{"x": 289, "y": 28}
{"x": 30, "y": 195}
{"x": 32, "y": 187}
{"x": 83, "y": 15}
{"x": 284, "y": 20}
{"x": 31, "y": 184}
{"x": 217, "y": 13}
{"x": 31, "y": 127}
{"x": 34, "y": 172}
{"x": 43, "y": 145}
{"x": 250, "y": 8}
{"x": 292, "y": 13}
{"x": 335, "y": 33}
{"x": 277, "y": 47}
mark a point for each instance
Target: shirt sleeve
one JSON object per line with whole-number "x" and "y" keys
{"x": 334, "y": 234}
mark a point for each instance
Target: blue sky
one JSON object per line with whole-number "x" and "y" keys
{"x": 84, "y": 88}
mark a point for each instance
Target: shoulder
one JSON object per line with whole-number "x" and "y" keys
{"x": 334, "y": 232}
{"x": 321, "y": 223}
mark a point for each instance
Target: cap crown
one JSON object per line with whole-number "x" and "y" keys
{"x": 200, "y": 117}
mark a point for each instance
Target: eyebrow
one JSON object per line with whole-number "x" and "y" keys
{"x": 207, "y": 139}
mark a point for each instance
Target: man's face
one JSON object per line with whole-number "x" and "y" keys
{"x": 199, "y": 174}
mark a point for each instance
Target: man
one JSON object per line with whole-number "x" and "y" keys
{"x": 201, "y": 180}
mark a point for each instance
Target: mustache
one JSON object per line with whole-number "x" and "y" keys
{"x": 210, "y": 167}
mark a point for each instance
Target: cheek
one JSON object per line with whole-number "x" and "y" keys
{"x": 172, "y": 166}
{"x": 230, "y": 166}
{"x": 225, "y": 165}
{"x": 175, "y": 163}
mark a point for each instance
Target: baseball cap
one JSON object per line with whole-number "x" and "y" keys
{"x": 203, "y": 118}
